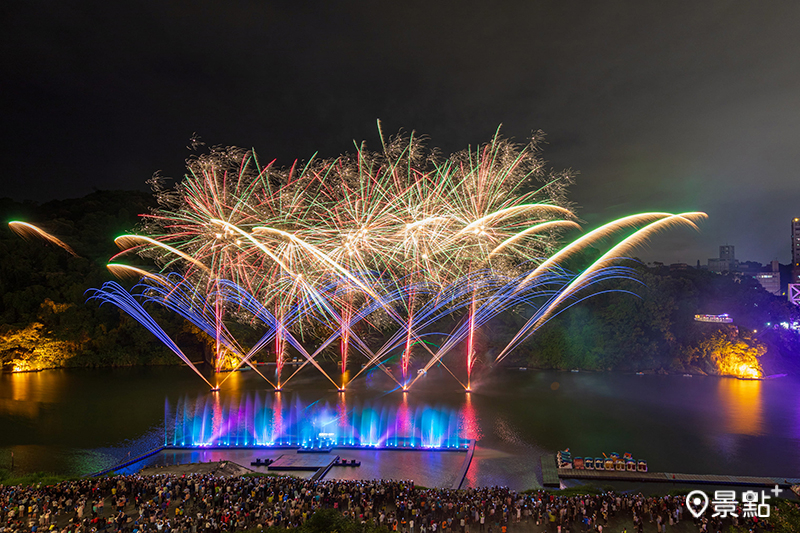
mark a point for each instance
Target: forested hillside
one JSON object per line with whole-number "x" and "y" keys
{"x": 647, "y": 324}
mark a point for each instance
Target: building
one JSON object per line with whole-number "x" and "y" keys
{"x": 726, "y": 262}
{"x": 771, "y": 279}
{"x": 793, "y": 291}
{"x": 727, "y": 253}
{"x": 795, "y": 250}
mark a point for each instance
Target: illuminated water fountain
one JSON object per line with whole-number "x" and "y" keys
{"x": 256, "y": 421}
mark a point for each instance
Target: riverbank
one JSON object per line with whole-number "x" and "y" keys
{"x": 10, "y": 478}
{"x": 92, "y": 361}
{"x": 33, "y": 349}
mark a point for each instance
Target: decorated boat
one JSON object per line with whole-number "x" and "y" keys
{"x": 564, "y": 459}
{"x": 611, "y": 462}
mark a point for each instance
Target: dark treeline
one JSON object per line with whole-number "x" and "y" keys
{"x": 654, "y": 328}
{"x": 44, "y": 316}
{"x": 43, "y": 311}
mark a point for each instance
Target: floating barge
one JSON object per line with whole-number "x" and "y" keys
{"x": 668, "y": 477}
{"x": 616, "y": 468}
{"x": 612, "y": 462}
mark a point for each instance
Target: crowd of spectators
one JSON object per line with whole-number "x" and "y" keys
{"x": 200, "y": 503}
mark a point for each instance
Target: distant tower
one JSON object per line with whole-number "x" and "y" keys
{"x": 726, "y": 253}
{"x": 726, "y": 262}
{"x": 794, "y": 283}
{"x": 795, "y": 247}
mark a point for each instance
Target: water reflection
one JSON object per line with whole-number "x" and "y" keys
{"x": 741, "y": 406}
{"x": 23, "y": 393}
{"x": 470, "y": 425}
{"x": 470, "y": 429}
{"x": 702, "y": 425}
{"x": 19, "y": 408}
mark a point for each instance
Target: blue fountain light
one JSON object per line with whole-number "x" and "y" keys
{"x": 253, "y": 421}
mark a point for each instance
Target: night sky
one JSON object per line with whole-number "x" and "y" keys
{"x": 667, "y": 106}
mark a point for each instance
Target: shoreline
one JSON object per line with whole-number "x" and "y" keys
{"x": 515, "y": 368}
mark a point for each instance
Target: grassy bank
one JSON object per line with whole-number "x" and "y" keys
{"x": 11, "y": 478}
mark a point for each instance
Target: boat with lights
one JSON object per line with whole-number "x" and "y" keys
{"x": 610, "y": 462}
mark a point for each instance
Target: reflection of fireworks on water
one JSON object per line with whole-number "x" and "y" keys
{"x": 399, "y": 239}
{"x": 470, "y": 424}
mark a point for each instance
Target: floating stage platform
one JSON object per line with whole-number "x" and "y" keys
{"x": 428, "y": 466}
{"x": 327, "y": 448}
{"x": 666, "y": 477}
{"x": 319, "y": 463}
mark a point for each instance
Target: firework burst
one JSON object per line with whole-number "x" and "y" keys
{"x": 397, "y": 239}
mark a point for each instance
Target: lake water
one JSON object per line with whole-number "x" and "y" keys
{"x": 81, "y": 421}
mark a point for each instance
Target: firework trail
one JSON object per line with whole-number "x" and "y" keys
{"x": 128, "y": 272}
{"x": 114, "y": 294}
{"x": 639, "y": 237}
{"x": 28, "y": 231}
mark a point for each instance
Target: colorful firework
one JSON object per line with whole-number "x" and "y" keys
{"x": 395, "y": 240}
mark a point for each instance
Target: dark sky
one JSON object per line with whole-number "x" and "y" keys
{"x": 665, "y": 106}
